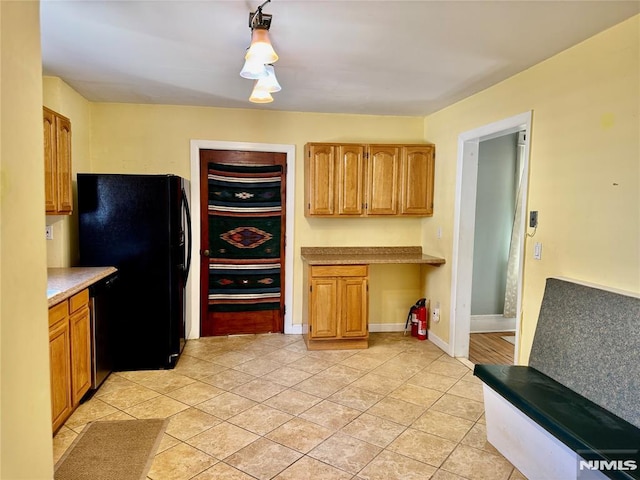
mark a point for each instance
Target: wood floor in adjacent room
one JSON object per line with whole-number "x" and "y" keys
{"x": 491, "y": 348}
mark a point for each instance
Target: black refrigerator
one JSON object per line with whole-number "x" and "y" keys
{"x": 141, "y": 225}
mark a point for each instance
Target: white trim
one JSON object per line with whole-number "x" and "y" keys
{"x": 464, "y": 224}
{"x": 193, "y": 284}
{"x": 438, "y": 342}
{"x": 492, "y": 323}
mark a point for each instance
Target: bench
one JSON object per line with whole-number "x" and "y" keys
{"x": 574, "y": 412}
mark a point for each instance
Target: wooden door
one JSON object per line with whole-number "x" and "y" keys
{"x": 382, "y": 180}
{"x": 60, "y": 371}
{"x": 242, "y": 252}
{"x": 320, "y": 179}
{"x": 417, "y": 180}
{"x": 63, "y": 154}
{"x": 324, "y": 307}
{"x": 80, "y": 334}
{"x": 354, "y": 307}
{"x": 350, "y": 185}
{"x": 50, "y": 168}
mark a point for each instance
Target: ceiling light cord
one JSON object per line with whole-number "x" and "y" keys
{"x": 258, "y": 14}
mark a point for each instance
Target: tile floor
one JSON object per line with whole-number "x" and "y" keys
{"x": 263, "y": 406}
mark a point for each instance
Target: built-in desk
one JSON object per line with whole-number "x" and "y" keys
{"x": 335, "y": 294}
{"x": 366, "y": 255}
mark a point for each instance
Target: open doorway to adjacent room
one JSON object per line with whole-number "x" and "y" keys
{"x": 489, "y": 233}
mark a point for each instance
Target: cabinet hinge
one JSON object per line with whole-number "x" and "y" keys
{"x": 311, "y": 288}
{"x": 310, "y": 328}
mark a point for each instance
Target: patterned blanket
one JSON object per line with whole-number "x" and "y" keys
{"x": 245, "y": 207}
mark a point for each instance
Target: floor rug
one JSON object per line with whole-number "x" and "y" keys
{"x": 122, "y": 449}
{"x": 509, "y": 338}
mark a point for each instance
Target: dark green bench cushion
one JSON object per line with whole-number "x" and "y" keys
{"x": 576, "y": 421}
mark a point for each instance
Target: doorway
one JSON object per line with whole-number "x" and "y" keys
{"x": 193, "y": 285}
{"x": 242, "y": 261}
{"x": 465, "y": 222}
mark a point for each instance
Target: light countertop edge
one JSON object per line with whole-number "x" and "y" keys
{"x": 63, "y": 283}
{"x": 367, "y": 255}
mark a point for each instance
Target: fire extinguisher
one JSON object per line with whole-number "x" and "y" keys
{"x": 418, "y": 318}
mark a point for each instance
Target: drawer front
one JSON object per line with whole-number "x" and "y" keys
{"x": 339, "y": 270}
{"x": 58, "y": 312}
{"x": 79, "y": 300}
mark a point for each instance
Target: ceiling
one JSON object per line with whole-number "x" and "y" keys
{"x": 363, "y": 57}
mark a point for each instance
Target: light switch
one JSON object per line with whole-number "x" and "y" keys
{"x": 48, "y": 232}
{"x": 537, "y": 251}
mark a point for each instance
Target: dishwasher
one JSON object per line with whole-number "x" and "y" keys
{"x": 103, "y": 304}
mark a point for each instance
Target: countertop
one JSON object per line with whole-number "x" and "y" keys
{"x": 62, "y": 283}
{"x": 367, "y": 255}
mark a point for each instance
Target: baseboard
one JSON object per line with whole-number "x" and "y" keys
{"x": 293, "y": 329}
{"x": 386, "y": 327}
{"x": 438, "y": 342}
{"x": 492, "y": 323}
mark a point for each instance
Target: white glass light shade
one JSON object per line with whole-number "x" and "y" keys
{"x": 253, "y": 70}
{"x": 270, "y": 82}
{"x": 260, "y": 96}
{"x": 261, "y": 50}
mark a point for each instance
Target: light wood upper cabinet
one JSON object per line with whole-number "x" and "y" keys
{"x": 320, "y": 180}
{"x": 417, "y": 180}
{"x": 57, "y": 163}
{"x": 382, "y": 180}
{"x": 350, "y": 171}
{"x": 360, "y": 180}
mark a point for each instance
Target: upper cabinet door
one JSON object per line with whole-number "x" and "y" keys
{"x": 417, "y": 180}
{"x": 350, "y": 172}
{"x": 50, "y": 155}
{"x": 320, "y": 180}
{"x": 57, "y": 163}
{"x": 65, "y": 197}
{"x": 382, "y": 180}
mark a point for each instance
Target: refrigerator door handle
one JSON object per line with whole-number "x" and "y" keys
{"x": 189, "y": 239}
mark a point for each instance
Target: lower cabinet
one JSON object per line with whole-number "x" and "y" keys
{"x": 335, "y": 307}
{"x": 70, "y": 355}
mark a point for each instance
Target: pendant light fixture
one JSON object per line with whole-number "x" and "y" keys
{"x": 260, "y": 57}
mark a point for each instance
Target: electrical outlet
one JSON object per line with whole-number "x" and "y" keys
{"x": 48, "y": 232}
{"x": 533, "y": 219}
{"x": 435, "y": 313}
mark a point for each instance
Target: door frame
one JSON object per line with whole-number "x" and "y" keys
{"x": 464, "y": 227}
{"x": 193, "y": 283}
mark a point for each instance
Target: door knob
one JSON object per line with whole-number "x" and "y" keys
{"x": 206, "y": 253}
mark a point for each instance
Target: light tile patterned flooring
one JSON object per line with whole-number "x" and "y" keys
{"x": 263, "y": 406}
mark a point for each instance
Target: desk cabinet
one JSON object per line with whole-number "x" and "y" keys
{"x": 336, "y": 307}
{"x": 70, "y": 355}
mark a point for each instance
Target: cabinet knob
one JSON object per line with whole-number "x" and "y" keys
{"x": 206, "y": 253}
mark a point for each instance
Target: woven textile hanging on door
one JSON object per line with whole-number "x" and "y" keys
{"x": 245, "y": 207}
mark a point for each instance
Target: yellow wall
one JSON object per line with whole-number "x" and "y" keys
{"x": 584, "y": 170}
{"x": 25, "y": 411}
{"x": 155, "y": 139}
{"x": 59, "y": 97}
